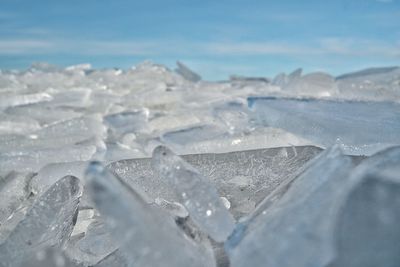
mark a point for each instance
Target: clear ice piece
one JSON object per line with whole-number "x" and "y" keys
{"x": 360, "y": 128}
{"x": 196, "y": 193}
{"x": 375, "y": 84}
{"x": 32, "y": 161}
{"x": 187, "y": 73}
{"x": 51, "y": 173}
{"x": 11, "y": 100}
{"x": 93, "y": 246}
{"x": 367, "y": 229}
{"x": 296, "y": 229}
{"x": 49, "y": 222}
{"x": 147, "y": 236}
{"x": 245, "y": 178}
{"x": 14, "y": 190}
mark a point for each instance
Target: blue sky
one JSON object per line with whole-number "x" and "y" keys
{"x": 215, "y": 38}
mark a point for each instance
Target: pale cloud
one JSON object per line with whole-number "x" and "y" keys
{"x": 325, "y": 46}
{"x": 37, "y": 46}
{"x": 129, "y": 48}
{"x": 24, "y": 46}
{"x": 360, "y": 47}
{"x": 258, "y": 48}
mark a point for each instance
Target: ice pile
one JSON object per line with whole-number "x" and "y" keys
{"x": 154, "y": 167}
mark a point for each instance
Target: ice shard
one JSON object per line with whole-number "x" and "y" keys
{"x": 367, "y": 232}
{"x": 11, "y": 100}
{"x": 375, "y": 84}
{"x": 187, "y": 73}
{"x": 346, "y": 217}
{"x": 49, "y": 222}
{"x": 360, "y": 128}
{"x": 92, "y": 246}
{"x": 14, "y": 191}
{"x": 32, "y": 161}
{"x": 17, "y": 125}
{"x": 196, "y": 193}
{"x": 51, "y": 173}
{"x": 146, "y": 235}
{"x": 296, "y": 229}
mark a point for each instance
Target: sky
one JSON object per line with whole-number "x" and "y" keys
{"x": 215, "y": 38}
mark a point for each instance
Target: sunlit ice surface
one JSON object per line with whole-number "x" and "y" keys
{"x": 151, "y": 166}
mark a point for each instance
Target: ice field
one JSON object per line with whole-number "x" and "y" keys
{"x": 152, "y": 166}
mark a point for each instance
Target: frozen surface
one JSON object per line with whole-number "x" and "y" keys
{"x": 253, "y": 156}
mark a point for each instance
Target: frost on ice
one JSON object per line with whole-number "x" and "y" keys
{"x": 150, "y": 166}
{"x": 196, "y": 193}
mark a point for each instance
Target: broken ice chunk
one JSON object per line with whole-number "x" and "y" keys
{"x": 84, "y": 219}
{"x": 361, "y": 128}
{"x": 147, "y": 237}
{"x": 367, "y": 229}
{"x": 56, "y": 135}
{"x": 166, "y": 123}
{"x": 48, "y": 223}
{"x": 196, "y": 193}
{"x": 10, "y": 100}
{"x": 74, "y": 130}
{"x": 317, "y": 84}
{"x": 93, "y": 246}
{"x": 10, "y": 124}
{"x": 234, "y": 115}
{"x": 32, "y": 161}
{"x": 373, "y": 84}
{"x": 14, "y": 190}
{"x": 259, "y": 138}
{"x": 51, "y": 173}
{"x": 296, "y": 229}
{"x": 125, "y": 122}
{"x": 73, "y": 98}
{"x": 187, "y": 73}
{"x": 193, "y": 134}
{"x": 43, "y": 115}
{"x": 245, "y": 178}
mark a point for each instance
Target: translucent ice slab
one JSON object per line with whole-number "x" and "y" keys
{"x": 49, "y": 222}
{"x": 195, "y": 192}
{"x": 244, "y": 177}
{"x": 358, "y": 127}
{"x": 145, "y": 236}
